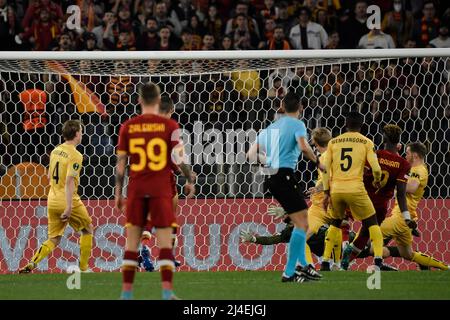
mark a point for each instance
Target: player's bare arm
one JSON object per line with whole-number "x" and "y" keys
{"x": 308, "y": 152}
{"x": 120, "y": 177}
{"x": 179, "y": 157}
{"x": 69, "y": 189}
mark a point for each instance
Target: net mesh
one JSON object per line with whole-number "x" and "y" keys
{"x": 220, "y": 105}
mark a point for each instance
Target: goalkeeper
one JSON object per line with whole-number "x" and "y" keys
{"x": 316, "y": 241}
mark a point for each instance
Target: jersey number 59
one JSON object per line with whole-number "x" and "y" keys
{"x": 147, "y": 154}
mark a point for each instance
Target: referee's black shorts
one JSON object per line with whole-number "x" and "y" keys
{"x": 284, "y": 188}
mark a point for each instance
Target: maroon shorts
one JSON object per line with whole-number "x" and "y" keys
{"x": 158, "y": 210}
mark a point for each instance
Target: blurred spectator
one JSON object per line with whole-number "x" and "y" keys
{"x": 196, "y": 27}
{"x": 268, "y": 11}
{"x": 226, "y": 43}
{"x": 269, "y": 26}
{"x": 125, "y": 42}
{"x": 278, "y": 41}
{"x": 65, "y": 43}
{"x": 354, "y": 27}
{"x": 209, "y": 42}
{"x": 33, "y": 12}
{"x": 285, "y": 74}
{"x": 398, "y": 23}
{"x": 307, "y": 34}
{"x": 7, "y": 25}
{"x": 161, "y": 15}
{"x": 322, "y": 18}
{"x": 149, "y": 39}
{"x": 376, "y": 39}
{"x": 89, "y": 42}
{"x": 188, "y": 43}
{"x": 410, "y": 43}
{"x": 283, "y": 17}
{"x": 164, "y": 40}
{"x": 99, "y": 31}
{"x": 143, "y": 10}
{"x": 42, "y": 32}
{"x": 427, "y": 27}
{"x": 334, "y": 41}
{"x": 443, "y": 41}
{"x": 185, "y": 10}
{"x": 277, "y": 90}
{"x": 244, "y": 38}
{"x": 242, "y": 10}
{"x": 213, "y": 24}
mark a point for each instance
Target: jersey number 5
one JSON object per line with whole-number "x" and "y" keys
{"x": 147, "y": 154}
{"x": 346, "y": 157}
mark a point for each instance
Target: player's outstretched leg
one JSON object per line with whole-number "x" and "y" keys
{"x": 44, "y": 250}
{"x": 428, "y": 261}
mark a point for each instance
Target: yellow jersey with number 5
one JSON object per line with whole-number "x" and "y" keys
{"x": 65, "y": 160}
{"x": 345, "y": 161}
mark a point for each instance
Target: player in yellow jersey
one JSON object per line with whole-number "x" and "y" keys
{"x": 399, "y": 224}
{"x": 64, "y": 205}
{"x": 344, "y": 162}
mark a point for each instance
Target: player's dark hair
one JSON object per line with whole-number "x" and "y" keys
{"x": 354, "y": 121}
{"x": 149, "y": 93}
{"x": 166, "y": 105}
{"x": 419, "y": 148}
{"x": 70, "y": 129}
{"x": 392, "y": 133}
{"x": 291, "y": 102}
{"x": 321, "y": 136}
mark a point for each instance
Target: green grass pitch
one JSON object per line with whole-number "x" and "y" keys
{"x": 258, "y": 285}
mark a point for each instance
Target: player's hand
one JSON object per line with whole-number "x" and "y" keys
{"x": 413, "y": 226}
{"x": 120, "y": 203}
{"x": 311, "y": 191}
{"x": 276, "y": 212}
{"x": 247, "y": 236}
{"x": 189, "y": 189}
{"x": 66, "y": 215}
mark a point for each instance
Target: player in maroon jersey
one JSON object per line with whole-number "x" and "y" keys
{"x": 395, "y": 171}
{"x": 151, "y": 142}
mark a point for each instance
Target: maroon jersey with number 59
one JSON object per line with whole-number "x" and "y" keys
{"x": 148, "y": 140}
{"x": 394, "y": 168}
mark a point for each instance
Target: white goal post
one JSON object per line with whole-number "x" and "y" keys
{"x": 222, "y": 99}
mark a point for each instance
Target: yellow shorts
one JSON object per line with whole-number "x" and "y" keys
{"x": 395, "y": 227}
{"x": 359, "y": 203}
{"x": 317, "y": 218}
{"x": 79, "y": 220}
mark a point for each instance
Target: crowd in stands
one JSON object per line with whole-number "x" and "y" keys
{"x": 226, "y": 24}
{"x": 411, "y": 92}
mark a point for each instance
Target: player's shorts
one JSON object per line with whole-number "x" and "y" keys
{"x": 158, "y": 210}
{"x": 395, "y": 227}
{"x": 284, "y": 187}
{"x": 79, "y": 220}
{"x": 359, "y": 203}
{"x": 317, "y": 218}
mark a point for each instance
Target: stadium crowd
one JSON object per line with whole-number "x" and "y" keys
{"x": 227, "y": 25}
{"x": 411, "y": 92}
